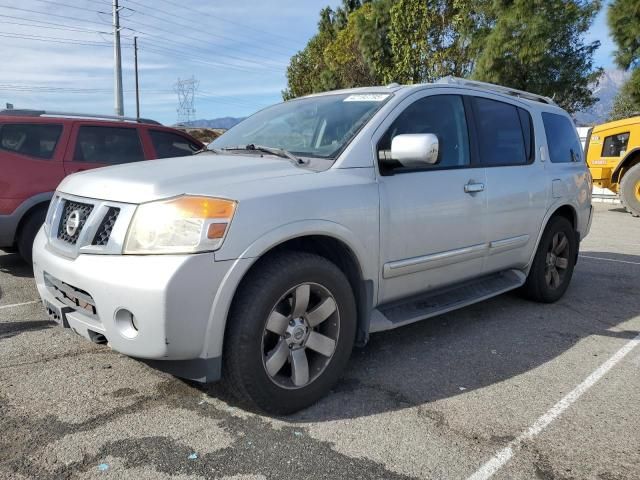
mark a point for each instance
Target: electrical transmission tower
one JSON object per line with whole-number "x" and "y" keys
{"x": 186, "y": 90}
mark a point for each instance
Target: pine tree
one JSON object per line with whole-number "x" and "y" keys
{"x": 623, "y": 18}
{"x": 538, "y": 46}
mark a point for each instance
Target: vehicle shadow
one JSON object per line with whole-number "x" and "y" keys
{"x": 480, "y": 345}
{"x": 12, "y": 264}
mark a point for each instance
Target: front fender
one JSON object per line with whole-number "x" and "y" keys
{"x": 239, "y": 267}
{"x": 615, "y": 176}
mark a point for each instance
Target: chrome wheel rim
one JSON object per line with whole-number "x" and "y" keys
{"x": 557, "y": 261}
{"x": 300, "y": 336}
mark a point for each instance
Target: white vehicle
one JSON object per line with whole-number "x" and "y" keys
{"x": 313, "y": 224}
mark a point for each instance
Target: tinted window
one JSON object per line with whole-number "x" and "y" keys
{"x": 442, "y": 115}
{"x": 562, "y": 138}
{"x": 615, "y": 145}
{"x": 169, "y": 144}
{"x": 30, "y": 139}
{"x": 502, "y": 140}
{"x": 108, "y": 145}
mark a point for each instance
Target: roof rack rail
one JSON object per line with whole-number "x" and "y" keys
{"x": 48, "y": 113}
{"x": 497, "y": 88}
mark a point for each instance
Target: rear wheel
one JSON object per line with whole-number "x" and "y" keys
{"x": 28, "y": 231}
{"x": 290, "y": 333}
{"x": 553, "y": 263}
{"x": 630, "y": 190}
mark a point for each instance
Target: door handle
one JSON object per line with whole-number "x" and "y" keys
{"x": 473, "y": 187}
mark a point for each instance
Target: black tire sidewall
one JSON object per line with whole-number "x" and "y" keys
{"x": 28, "y": 232}
{"x": 242, "y": 363}
{"x": 627, "y": 187}
{"x": 537, "y": 285}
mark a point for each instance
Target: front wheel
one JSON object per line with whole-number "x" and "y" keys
{"x": 553, "y": 263}
{"x": 290, "y": 333}
{"x": 28, "y": 232}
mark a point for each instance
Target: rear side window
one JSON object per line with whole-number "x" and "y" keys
{"x": 169, "y": 144}
{"x": 504, "y": 132}
{"x": 33, "y": 140}
{"x": 111, "y": 145}
{"x": 562, "y": 139}
{"x": 615, "y": 145}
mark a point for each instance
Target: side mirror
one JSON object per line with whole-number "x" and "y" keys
{"x": 415, "y": 149}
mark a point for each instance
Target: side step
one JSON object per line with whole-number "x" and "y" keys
{"x": 404, "y": 312}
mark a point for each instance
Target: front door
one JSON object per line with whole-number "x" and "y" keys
{"x": 432, "y": 219}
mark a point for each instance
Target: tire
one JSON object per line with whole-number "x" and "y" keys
{"x": 28, "y": 231}
{"x": 542, "y": 285}
{"x": 630, "y": 190}
{"x": 266, "y": 303}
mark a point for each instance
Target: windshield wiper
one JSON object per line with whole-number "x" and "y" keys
{"x": 207, "y": 149}
{"x": 280, "y": 152}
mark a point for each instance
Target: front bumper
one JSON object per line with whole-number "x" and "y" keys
{"x": 171, "y": 297}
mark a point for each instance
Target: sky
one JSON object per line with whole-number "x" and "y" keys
{"x": 58, "y": 55}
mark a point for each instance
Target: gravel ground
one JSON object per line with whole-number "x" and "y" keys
{"x": 438, "y": 399}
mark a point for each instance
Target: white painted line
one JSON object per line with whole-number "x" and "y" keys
{"x": 609, "y": 259}
{"x": 501, "y": 458}
{"x": 2, "y": 307}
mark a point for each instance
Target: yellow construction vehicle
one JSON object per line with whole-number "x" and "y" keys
{"x": 612, "y": 151}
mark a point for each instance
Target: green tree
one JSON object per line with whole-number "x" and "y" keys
{"x": 624, "y": 105}
{"x": 537, "y": 45}
{"x": 434, "y": 38}
{"x": 623, "y": 18}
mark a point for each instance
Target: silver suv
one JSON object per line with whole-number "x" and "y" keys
{"x": 313, "y": 224}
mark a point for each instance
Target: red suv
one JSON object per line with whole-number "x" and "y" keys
{"x": 38, "y": 149}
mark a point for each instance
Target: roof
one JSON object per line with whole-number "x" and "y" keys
{"x": 617, "y": 123}
{"x": 71, "y": 115}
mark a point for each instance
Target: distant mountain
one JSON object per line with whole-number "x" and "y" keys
{"x": 224, "y": 123}
{"x": 606, "y": 91}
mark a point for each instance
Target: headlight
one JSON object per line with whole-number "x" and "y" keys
{"x": 52, "y": 208}
{"x": 179, "y": 225}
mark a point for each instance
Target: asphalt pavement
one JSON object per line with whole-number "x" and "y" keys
{"x": 507, "y": 389}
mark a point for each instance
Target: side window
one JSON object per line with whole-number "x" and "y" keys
{"x": 615, "y": 145}
{"x": 442, "y": 115}
{"x": 169, "y": 144}
{"x": 110, "y": 145}
{"x": 34, "y": 140}
{"x": 562, "y": 139}
{"x": 504, "y": 133}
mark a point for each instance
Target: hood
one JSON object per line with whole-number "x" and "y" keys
{"x": 203, "y": 174}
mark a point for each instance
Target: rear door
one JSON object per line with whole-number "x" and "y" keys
{"x": 30, "y": 160}
{"x": 516, "y": 189}
{"x": 98, "y": 145}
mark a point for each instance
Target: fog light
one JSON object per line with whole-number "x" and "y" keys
{"x": 126, "y": 323}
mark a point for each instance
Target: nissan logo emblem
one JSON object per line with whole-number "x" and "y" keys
{"x": 73, "y": 222}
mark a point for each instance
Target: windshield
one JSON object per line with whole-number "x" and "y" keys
{"x": 312, "y": 127}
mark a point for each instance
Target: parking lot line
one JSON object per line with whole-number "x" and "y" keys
{"x": 501, "y": 458}
{"x": 2, "y": 307}
{"x": 609, "y": 259}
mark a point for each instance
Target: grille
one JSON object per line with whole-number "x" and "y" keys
{"x": 73, "y": 297}
{"x": 83, "y": 209}
{"x": 105, "y": 228}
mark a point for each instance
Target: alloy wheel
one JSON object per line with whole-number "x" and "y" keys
{"x": 557, "y": 260}
{"x": 300, "y": 335}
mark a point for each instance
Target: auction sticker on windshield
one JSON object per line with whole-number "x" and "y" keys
{"x": 367, "y": 97}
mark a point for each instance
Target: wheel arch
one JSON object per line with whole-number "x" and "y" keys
{"x": 28, "y": 208}
{"x": 338, "y": 252}
{"x": 565, "y": 210}
{"x": 631, "y": 159}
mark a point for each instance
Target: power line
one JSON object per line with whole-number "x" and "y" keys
{"x": 60, "y": 26}
{"x": 233, "y": 22}
{"x": 58, "y": 4}
{"x": 50, "y": 14}
{"x": 55, "y": 39}
{"x": 190, "y": 25}
{"x": 234, "y": 57}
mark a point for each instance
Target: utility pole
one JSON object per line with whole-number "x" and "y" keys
{"x": 135, "y": 59}
{"x": 117, "y": 57}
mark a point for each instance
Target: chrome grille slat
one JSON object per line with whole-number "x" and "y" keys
{"x": 106, "y": 227}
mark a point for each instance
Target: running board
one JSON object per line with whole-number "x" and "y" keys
{"x": 397, "y": 314}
